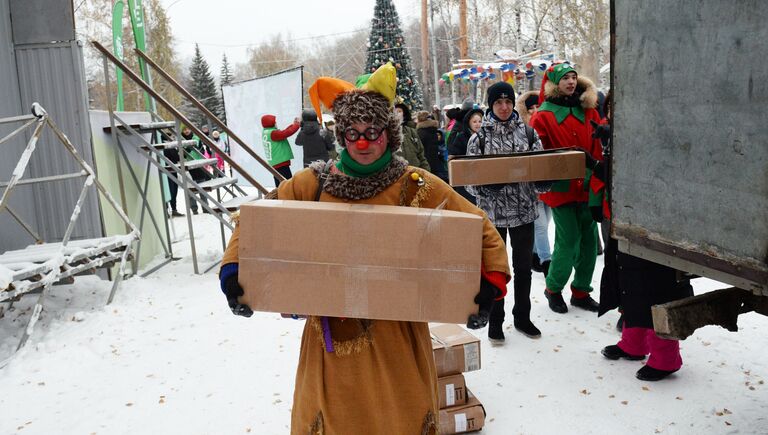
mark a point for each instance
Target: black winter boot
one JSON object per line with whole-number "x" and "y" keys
{"x": 496, "y": 333}
{"x": 527, "y": 328}
{"x": 545, "y": 267}
{"x": 556, "y": 302}
{"x": 648, "y": 373}
{"x": 587, "y": 303}
{"x": 536, "y": 263}
{"x": 614, "y": 352}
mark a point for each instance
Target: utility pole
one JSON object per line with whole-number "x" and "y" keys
{"x": 424, "y": 44}
{"x": 462, "y": 29}
{"x": 435, "y": 72}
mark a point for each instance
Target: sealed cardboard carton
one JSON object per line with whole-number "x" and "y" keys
{"x": 469, "y": 417}
{"x": 360, "y": 261}
{"x": 452, "y": 390}
{"x": 514, "y": 168}
{"x": 455, "y": 350}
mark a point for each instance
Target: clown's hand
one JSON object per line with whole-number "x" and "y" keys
{"x": 484, "y": 300}
{"x": 232, "y": 290}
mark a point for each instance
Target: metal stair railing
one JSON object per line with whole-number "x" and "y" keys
{"x": 148, "y": 60}
{"x": 178, "y": 172}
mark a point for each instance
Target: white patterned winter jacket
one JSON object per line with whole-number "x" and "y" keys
{"x": 507, "y": 205}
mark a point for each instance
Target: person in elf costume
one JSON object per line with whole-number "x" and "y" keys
{"x": 367, "y": 376}
{"x": 564, "y": 120}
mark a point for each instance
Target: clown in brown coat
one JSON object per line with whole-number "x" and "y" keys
{"x": 362, "y": 376}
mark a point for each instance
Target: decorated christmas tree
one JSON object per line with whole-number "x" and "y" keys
{"x": 387, "y": 44}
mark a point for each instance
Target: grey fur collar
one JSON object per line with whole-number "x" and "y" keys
{"x": 343, "y": 186}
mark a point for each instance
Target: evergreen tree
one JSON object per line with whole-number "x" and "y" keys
{"x": 387, "y": 44}
{"x": 225, "y": 78}
{"x": 203, "y": 87}
{"x": 160, "y": 48}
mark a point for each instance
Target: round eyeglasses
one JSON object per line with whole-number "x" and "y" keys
{"x": 370, "y": 133}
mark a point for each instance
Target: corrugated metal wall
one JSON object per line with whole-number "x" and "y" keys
{"x": 11, "y": 234}
{"x": 50, "y": 73}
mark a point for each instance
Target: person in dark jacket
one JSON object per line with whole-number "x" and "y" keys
{"x": 472, "y": 122}
{"x": 635, "y": 285}
{"x": 412, "y": 150}
{"x": 316, "y": 145}
{"x": 426, "y": 127}
{"x": 199, "y": 175}
{"x": 458, "y": 126}
{"x": 172, "y": 154}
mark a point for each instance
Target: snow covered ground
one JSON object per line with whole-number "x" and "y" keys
{"x": 168, "y": 357}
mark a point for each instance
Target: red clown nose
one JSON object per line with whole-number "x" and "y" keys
{"x": 362, "y": 144}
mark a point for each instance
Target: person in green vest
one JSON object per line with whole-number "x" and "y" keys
{"x": 277, "y": 150}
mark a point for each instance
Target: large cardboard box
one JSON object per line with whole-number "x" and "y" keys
{"x": 514, "y": 168}
{"x": 452, "y": 390}
{"x": 455, "y": 350}
{"x": 360, "y": 261}
{"x": 469, "y": 417}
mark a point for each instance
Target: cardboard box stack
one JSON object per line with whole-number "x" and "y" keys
{"x": 456, "y": 351}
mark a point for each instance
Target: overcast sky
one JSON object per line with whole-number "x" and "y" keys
{"x": 230, "y": 26}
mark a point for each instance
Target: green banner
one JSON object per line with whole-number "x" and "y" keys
{"x": 137, "y": 22}
{"x": 117, "y": 48}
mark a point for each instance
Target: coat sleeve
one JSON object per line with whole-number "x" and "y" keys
{"x": 539, "y": 125}
{"x": 423, "y": 163}
{"x": 473, "y": 149}
{"x": 539, "y": 186}
{"x": 284, "y": 134}
{"x": 300, "y": 138}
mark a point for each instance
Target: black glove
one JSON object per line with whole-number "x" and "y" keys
{"x": 597, "y": 213}
{"x": 599, "y": 171}
{"x": 232, "y": 290}
{"x": 484, "y": 299}
{"x": 589, "y": 161}
{"x": 601, "y": 131}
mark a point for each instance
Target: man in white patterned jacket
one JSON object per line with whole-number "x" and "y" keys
{"x": 510, "y": 207}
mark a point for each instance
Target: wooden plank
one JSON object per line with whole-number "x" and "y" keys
{"x": 680, "y": 319}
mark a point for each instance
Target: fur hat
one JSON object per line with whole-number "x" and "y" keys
{"x": 360, "y": 105}
{"x": 370, "y": 104}
{"x": 423, "y": 115}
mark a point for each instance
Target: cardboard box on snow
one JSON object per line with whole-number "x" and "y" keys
{"x": 360, "y": 261}
{"x": 469, "y": 417}
{"x": 455, "y": 350}
{"x": 452, "y": 390}
{"x": 514, "y": 168}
